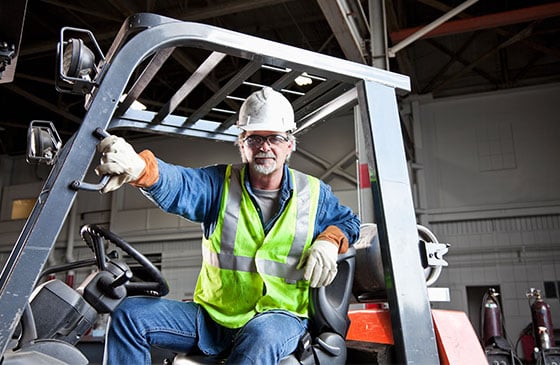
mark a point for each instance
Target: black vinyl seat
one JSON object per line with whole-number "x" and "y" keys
{"x": 328, "y": 325}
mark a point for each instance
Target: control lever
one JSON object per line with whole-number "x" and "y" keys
{"x": 332, "y": 350}
{"x": 122, "y": 279}
{"x": 114, "y": 288}
{"x": 81, "y": 185}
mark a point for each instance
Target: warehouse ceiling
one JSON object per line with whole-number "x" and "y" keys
{"x": 488, "y": 45}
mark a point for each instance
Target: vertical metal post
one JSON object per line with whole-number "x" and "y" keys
{"x": 379, "y": 59}
{"x": 378, "y": 34}
{"x": 413, "y": 331}
{"x": 418, "y": 165}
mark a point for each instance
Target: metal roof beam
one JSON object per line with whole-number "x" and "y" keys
{"x": 346, "y": 28}
{"x": 41, "y": 102}
{"x": 422, "y": 31}
{"x": 484, "y": 22}
{"x": 230, "y": 7}
{"x": 526, "y": 32}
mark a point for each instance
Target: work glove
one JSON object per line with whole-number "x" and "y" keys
{"x": 320, "y": 265}
{"x": 118, "y": 159}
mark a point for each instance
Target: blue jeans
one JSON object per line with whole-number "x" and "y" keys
{"x": 141, "y": 322}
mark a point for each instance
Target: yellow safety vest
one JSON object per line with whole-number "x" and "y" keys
{"x": 245, "y": 271}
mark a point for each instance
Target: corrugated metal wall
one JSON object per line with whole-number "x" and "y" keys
{"x": 491, "y": 191}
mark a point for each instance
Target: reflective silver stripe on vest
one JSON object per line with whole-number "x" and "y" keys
{"x": 231, "y": 215}
{"x": 249, "y": 264}
{"x": 288, "y": 270}
{"x": 228, "y": 261}
{"x": 226, "y": 258}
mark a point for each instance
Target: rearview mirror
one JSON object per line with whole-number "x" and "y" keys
{"x": 43, "y": 142}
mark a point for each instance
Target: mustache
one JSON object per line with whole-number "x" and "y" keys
{"x": 265, "y": 155}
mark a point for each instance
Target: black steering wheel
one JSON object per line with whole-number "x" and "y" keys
{"x": 93, "y": 235}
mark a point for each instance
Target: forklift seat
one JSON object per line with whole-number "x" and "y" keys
{"x": 328, "y": 322}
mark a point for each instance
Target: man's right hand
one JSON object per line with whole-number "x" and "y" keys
{"x": 119, "y": 160}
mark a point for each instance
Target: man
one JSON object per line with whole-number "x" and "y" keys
{"x": 269, "y": 233}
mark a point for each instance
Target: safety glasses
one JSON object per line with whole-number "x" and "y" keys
{"x": 256, "y": 141}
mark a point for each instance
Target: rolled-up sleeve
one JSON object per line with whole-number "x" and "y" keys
{"x": 332, "y": 213}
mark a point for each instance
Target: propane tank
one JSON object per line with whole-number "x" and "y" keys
{"x": 492, "y": 318}
{"x": 542, "y": 321}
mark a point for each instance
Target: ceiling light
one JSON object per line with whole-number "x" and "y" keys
{"x": 303, "y": 80}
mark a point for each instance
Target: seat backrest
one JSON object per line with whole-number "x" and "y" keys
{"x": 329, "y": 305}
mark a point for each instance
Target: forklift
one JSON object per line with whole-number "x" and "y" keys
{"x": 392, "y": 265}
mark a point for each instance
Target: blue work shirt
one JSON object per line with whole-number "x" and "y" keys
{"x": 195, "y": 194}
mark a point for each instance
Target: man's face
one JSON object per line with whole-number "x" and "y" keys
{"x": 265, "y": 151}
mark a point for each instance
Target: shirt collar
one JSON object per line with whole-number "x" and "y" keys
{"x": 286, "y": 186}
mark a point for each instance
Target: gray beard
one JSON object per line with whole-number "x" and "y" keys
{"x": 263, "y": 170}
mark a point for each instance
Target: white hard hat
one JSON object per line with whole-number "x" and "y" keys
{"x": 266, "y": 110}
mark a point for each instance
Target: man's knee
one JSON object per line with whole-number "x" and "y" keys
{"x": 127, "y": 312}
{"x": 274, "y": 326}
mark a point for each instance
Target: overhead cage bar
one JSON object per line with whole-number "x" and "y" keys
{"x": 331, "y": 76}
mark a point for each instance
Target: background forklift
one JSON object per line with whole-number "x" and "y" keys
{"x": 402, "y": 255}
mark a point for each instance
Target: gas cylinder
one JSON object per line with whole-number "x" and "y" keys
{"x": 543, "y": 330}
{"x": 492, "y": 320}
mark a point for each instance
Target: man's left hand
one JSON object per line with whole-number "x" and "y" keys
{"x": 320, "y": 266}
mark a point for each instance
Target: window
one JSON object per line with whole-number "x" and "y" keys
{"x": 21, "y": 208}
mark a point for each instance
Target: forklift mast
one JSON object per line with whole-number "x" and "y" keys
{"x": 142, "y": 47}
